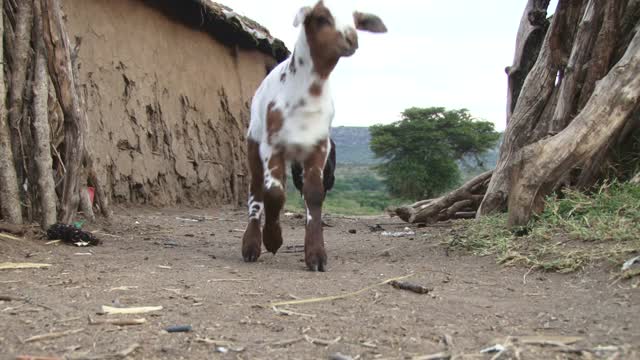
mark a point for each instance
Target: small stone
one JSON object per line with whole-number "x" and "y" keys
{"x": 339, "y": 356}
{"x": 352, "y": 231}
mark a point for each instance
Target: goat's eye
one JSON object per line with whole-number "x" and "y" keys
{"x": 322, "y": 21}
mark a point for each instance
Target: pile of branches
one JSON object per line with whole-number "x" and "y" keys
{"x": 45, "y": 165}
{"x": 459, "y": 204}
{"x": 573, "y": 99}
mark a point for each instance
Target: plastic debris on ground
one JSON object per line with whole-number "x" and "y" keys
{"x": 72, "y": 235}
{"x": 406, "y": 232}
{"x": 629, "y": 263}
{"x": 493, "y": 349}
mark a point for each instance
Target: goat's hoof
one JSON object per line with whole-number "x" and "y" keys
{"x": 250, "y": 254}
{"x": 317, "y": 262}
{"x": 251, "y": 247}
{"x": 272, "y": 238}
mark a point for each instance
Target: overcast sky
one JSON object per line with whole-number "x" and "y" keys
{"x": 436, "y": 53}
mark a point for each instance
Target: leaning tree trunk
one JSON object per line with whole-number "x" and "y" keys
{"x": 602, "y": 57}
{"x": 531, "y": 33}
{"x": 9, "y": 191}
{"x": 541, "y": 164}
{"x": 536, "y": 92}
{"x": 59, "y": 52}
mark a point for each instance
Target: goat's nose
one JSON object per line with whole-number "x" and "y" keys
{"x": 351, "y": 37}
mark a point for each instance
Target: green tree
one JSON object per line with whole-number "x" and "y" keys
{"x": 419, "y": 152}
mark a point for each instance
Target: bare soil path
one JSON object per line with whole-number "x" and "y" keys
{"x": 188, "y": 261}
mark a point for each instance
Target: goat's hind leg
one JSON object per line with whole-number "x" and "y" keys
{"x": 252, "y": 238}
{"x": 274, "y": 199}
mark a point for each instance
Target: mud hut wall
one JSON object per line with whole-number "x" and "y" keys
{"x": 167, "y": 105}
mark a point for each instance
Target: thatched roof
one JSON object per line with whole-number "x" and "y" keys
{"x": 223, "y": 24}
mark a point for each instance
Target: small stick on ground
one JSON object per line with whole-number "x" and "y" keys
{"x": 126, "y": 311}
{"x": 128, "y": 351}
{"x": 402, "y": 285}
{"x": 524, "y": 277}
{"x": 6, "y": 236}
{"x": 53, "y": 335}
{"x": 368, "y": 344}
{"x": 214, "y": 342}
{"x": 321, "y": 341}
{"x": 547, "y": 340}
{"x": 438, "y": 356}
{"x": 119, "y": 355}
{"x": 123, "y": 288}
{"x": 336, "y": 297}
{"x": 117, "y": 322}
{"x": 286, "y": 342}
{"x": 293, "y": 249}
{"x": 289, "y": 312}
{"x": 229, "y": 280}
{"x": 15, "y": 266}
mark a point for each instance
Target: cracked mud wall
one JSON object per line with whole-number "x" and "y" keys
{"x": 168, "y": 106}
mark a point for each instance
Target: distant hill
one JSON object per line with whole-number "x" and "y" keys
{"x": 352, "y": 144}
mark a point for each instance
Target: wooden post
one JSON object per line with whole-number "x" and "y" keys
{"x": 9, "y": 193}
{"x": 18, "y": 80}
{"x": 61, "y": 69}
{"x": 41, "y": 131}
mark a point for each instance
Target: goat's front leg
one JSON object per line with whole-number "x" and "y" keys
{"x": 251, "y": 240}
{"x": 313, "y": 191}
{"x": 274, "y": 199}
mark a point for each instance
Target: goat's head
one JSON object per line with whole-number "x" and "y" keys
{"x": 330, "y": 37}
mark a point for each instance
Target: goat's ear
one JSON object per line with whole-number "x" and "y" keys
{"x": 368, "y": 22}
{"x": 301, "y": 15}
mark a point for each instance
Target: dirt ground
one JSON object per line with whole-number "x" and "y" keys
{"x": 189, "y": 262}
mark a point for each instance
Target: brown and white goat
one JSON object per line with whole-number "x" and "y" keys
{"x": 291, "y": 115}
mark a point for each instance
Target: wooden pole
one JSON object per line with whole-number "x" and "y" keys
{"x": 9, "y": 191}
{"x": 41, "y": 131}
{"x": 61, "y": 69}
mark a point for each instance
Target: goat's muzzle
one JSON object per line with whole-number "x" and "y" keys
{"x": 350, "y": 42}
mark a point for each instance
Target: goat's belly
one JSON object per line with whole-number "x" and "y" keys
{"x": 298, "y": 143}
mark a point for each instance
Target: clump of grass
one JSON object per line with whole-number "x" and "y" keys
{"x": 611, "y": 214}
{"x": 574, "y": 230}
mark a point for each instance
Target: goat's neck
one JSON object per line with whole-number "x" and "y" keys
{"x": 305, "y": 73}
